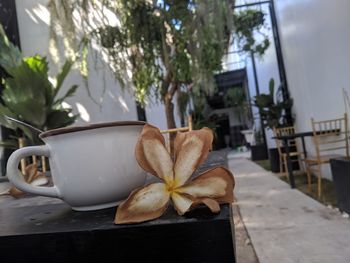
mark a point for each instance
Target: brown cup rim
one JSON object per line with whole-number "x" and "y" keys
{"x": 71, "y": 129}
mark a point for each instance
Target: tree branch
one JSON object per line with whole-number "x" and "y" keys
{"x": 173, "y": 89}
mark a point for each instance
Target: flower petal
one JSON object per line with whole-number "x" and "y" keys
{"x": 191, "y": 149}
{"x": 143, "y": 204}
{"x": 181, "y": 203}
{"x": 217, "y": 183}
{"x": 31, "y": 176}
{"x": 152, "y": 155}
{"x": 16, "y": 193}
{"x": 30, "y": 172}
{"x": 147, "y": 132}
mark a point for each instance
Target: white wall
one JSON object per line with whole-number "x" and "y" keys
{"x": 113, "y": 104}
{"x": 315, "y": 37}
{"x": 155, "y": 114}
{"x": 315, "y": 41}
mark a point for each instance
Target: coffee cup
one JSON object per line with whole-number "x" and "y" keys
{"x": 92, "y": 167}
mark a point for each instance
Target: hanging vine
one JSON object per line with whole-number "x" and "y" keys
{"x": 248, "y": 24}
{"x": 153, "y": 47}
{"x": 163, "y": 44}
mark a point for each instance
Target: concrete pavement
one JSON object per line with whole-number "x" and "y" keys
{"x": 284, "y": 224}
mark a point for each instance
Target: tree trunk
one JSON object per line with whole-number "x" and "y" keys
{"x": 169, "y": 112}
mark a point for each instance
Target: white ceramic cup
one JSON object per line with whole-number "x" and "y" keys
{"x": 92, "y": 167}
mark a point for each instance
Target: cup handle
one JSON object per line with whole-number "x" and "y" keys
{"x": 16, "y": 177}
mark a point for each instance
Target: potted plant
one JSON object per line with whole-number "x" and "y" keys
{"x": 9, "y": 55}
{"x": 258, "y": 148}
{"x": 28, "y": 95}
{"x": 272, "y": 110}
{"x": 236, "y": 97}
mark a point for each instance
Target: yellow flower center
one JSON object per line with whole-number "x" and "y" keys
{"x": 172, "y": 186}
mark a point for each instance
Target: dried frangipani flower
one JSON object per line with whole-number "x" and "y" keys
{"x": 31, "y": 176}
{"x": 211, "y": 188}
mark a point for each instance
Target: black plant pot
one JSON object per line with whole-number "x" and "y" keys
{"x": 274, "y": 160}
{"x": 258, "y": 152}
{"x": 341, "y": 181}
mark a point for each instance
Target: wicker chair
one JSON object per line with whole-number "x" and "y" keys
{"x": 175, "y": 130}
{"x": 331, "y": 140}
{"x": 295, "y": 154}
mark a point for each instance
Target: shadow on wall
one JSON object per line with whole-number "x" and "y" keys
{"x": 104, "y": 101}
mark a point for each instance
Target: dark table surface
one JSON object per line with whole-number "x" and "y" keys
{"x": 294, "y": 135}
{"x": 299, "y": 135}
{"x": 52, "y": 218}
{"x": 55, "y": 233}
{"x": 39, "y": 229}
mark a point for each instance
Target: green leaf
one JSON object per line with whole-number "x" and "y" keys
{"x": 28, "y": 93}
{"x": 69, "y": 93}
{"x": 38, "y": 64}
{"x": 29, "y": 96}
{"x": 61, "y": 76}
{"x": 263, "y": 100}
{"x": 84, "y": 69}
{"x": 30, "y": 111}
{"x": 10, "y": 55}
{"x": 249, "y": 23}
{"x": 60, "y": 118}
{"x": 4, "y": 111}
{"x": 235, "y": 97}
{"x": 272, "y": 111}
